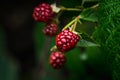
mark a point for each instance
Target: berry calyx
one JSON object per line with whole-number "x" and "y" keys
{"x": 50, "y": 29}
{"x": 57, "y": 60}
{"x": 43, "y": 13}
{"x": 66, "y": 40}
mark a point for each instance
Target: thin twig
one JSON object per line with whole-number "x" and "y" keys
{"x": 94, "y": 6}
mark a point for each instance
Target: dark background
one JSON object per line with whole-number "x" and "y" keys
{"x": 18, "y": 25}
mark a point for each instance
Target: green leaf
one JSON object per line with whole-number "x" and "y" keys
{"x": 84, "y": 43}
{"x": 86, "y": 28}
{"x": 89, "y": 14}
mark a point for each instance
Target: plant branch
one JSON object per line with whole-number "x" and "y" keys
{"x": 94, "y": 6}
{"x": 69, "y": 24}
{"x": 75, "y": 23}
{"x": 70, "y": 9}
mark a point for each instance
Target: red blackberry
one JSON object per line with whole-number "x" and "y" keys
{"x": 57, "y": 60}
{"x": 43, "y": 13}
{"x": 66, "y": 40}
{"x": 50, "y": 29}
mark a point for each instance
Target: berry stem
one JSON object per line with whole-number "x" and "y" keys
{"x": 56, "y": 19}
{"x": 69, "y": 24}
{"x": 79, "y": 21}
{"x": 94, "y": 6}
{"x": 75, "y": 24}
{"x": 80, "y": 35}
{"x": 70, "y": 9}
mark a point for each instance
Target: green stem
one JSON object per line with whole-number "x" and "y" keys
{"x": 79, "y": 21}
{"x": 56, "y": 19}
{"x": 71, "y": 9}
{"x": 75, "y": 24}
{"x": 80, "y": 35}
{"x": 69, "y": 24}
{"x": 94, "y": 6}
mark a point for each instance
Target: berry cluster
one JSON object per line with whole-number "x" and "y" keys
{"x": 44, "y": 13}
{"x": 65, "y": 41}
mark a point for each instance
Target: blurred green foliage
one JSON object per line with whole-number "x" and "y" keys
{"x": 108, "y": 34}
